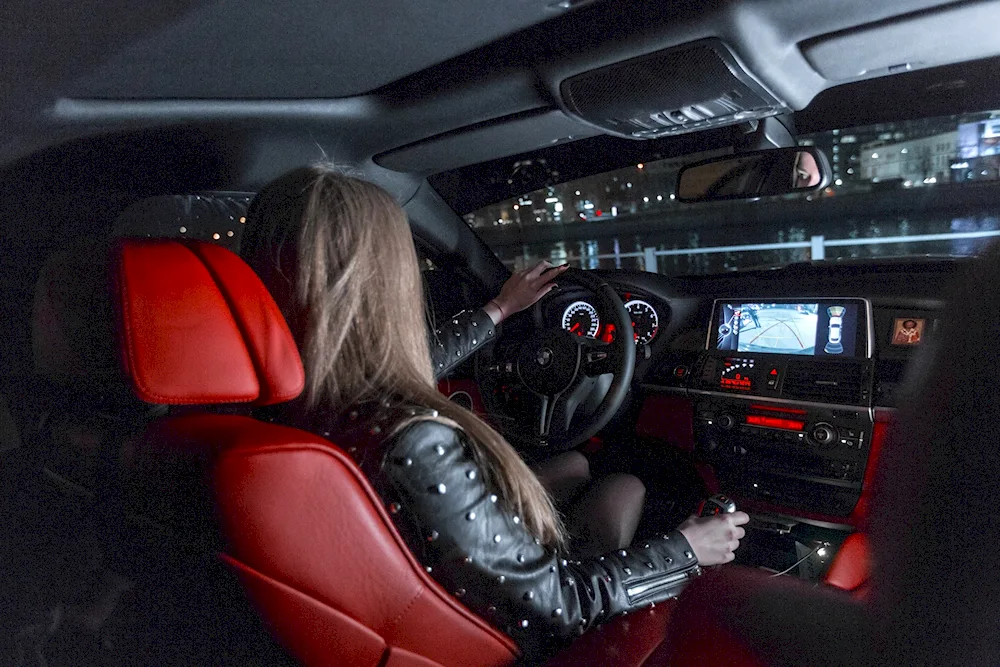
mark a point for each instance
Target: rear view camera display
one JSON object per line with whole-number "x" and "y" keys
{"x": 827, "y": 329}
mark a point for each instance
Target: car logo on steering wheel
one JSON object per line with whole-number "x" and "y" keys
{"x": 544, "y": 357}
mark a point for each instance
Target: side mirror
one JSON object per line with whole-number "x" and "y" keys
{"x": 764, "y": 173}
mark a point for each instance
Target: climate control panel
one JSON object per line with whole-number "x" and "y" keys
{"x": 802, "y": 455}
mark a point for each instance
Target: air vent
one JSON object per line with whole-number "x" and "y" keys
{"x": 691, "y": 87}
{"x": 828, "y": 382}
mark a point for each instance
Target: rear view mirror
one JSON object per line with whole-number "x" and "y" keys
{"x": 764, "y": 173}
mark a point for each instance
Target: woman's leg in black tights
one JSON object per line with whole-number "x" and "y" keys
{"x": 563, "y": 475}
{"x": 605, "y": 517}
{"x": 602, "y": 514}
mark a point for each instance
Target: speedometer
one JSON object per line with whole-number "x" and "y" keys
{"x": 580, "y": 318}
{"x": 645, "y": 322}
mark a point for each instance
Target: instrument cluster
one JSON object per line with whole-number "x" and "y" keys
{"x": 580, "y": 317}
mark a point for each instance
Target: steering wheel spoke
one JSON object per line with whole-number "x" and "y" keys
{"x": 555, "y": 413}
{"x": 543, "y": 424}
{"x": 554, "y": 417}
{"x": 599, "y": 358}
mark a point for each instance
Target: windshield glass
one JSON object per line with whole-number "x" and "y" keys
{"x": 924, "y": 187}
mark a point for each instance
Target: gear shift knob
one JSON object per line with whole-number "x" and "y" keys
{"x": 717, "y": 504}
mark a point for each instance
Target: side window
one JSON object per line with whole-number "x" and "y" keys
{"x": 216, "y": 217}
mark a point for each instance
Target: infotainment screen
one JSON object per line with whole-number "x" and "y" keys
{"x": 826, "y": 328}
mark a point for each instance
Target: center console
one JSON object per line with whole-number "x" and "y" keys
{"x": 782, "y": 399}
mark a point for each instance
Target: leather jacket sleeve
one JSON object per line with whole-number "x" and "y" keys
{"x": 454, "y": 340}
{"x": 474, "y": 547}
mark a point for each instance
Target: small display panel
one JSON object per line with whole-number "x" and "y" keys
{"x": 738, "y": 374}
{"x": 908, "y": 330}
{"x": 825, "y": 328}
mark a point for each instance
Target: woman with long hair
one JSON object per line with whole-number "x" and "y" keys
{"x": 338, "y": 256}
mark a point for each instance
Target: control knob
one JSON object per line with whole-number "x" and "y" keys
{"x": 824, "y": 434}
{"x": 726, "y": 422}
{"x": 717, "y": 504}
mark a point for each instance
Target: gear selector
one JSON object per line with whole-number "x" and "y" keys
{"x": 717, "y": 504}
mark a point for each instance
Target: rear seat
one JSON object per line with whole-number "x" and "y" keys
{"x": 76, "y": 410}
{"x": 61, "y": 438}
{"x": 80, "y": 410}
{"x": 75, "y": 560}
{"x": 102, "y": 579}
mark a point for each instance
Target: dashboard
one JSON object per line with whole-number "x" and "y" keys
{"x": 786, "y": 378}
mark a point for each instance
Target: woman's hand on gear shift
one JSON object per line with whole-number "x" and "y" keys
{"x": 715, "y": 539}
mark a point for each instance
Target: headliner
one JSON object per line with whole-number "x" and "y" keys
{"x": 248, "y": 49}
{"x": 270, "y": 87}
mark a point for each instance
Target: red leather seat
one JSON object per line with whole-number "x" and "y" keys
{"x": 288, "y": 511}
{"x": 298, "y": 521}
{"x": 851, "y": 568}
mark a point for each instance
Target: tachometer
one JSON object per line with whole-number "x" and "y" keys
{"x": 580, "y": 318}
{"x": 645, "y": 322}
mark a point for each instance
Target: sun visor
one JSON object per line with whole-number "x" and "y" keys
{"x": 683, "y": 89}
{"x": 507, "y": 136}
{"x": 925, "y": 39}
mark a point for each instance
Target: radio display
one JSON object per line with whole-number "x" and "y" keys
{"x": 738, "y": 374}
{"x": 824, "y": 328}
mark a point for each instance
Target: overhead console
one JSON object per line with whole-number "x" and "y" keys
{"x": 782, "y": 399}
{"x": 687, "y": 88}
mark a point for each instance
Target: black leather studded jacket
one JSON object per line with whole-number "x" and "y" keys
{"x": 474, "y": 546}
{"x": 457, "y": 338}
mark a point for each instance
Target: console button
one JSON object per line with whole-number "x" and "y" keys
{"x": 823, "y": 434}
{"x": 848, "y": 432}
{"x": 726, "y": 422}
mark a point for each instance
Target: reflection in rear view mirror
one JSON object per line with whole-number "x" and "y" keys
{"x": 758, "y": 174}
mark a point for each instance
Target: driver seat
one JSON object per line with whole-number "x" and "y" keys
{"x": 287, "y": 511}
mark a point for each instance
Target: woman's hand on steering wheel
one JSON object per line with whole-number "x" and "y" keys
{"x": 524, "y": 288}
{"x": 536, "y": 385}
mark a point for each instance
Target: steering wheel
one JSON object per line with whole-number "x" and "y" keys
{"x": 534, "y": 387}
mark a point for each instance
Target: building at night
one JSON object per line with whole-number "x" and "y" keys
{"x": 915, "y": 162}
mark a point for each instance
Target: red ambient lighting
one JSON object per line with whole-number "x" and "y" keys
{"x": 775, "y": 422}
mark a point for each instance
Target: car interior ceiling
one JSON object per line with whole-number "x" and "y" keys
{"x": 175, "y": 116}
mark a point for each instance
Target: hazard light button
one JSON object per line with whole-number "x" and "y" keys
{"x": 772, "y": 378}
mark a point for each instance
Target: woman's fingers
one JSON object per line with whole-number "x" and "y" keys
{"x": 538, "y": 269}
{"x": 545, "y": 268}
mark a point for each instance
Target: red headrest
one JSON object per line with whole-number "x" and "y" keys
{"x": 197, "y": 326}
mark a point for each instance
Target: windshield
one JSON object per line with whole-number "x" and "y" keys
{"x": 914, "y": 188}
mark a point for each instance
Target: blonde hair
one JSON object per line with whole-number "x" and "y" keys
{"x": 338, "y": 256}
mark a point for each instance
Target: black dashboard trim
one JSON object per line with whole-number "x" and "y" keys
{"x": 766, "y": 399}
